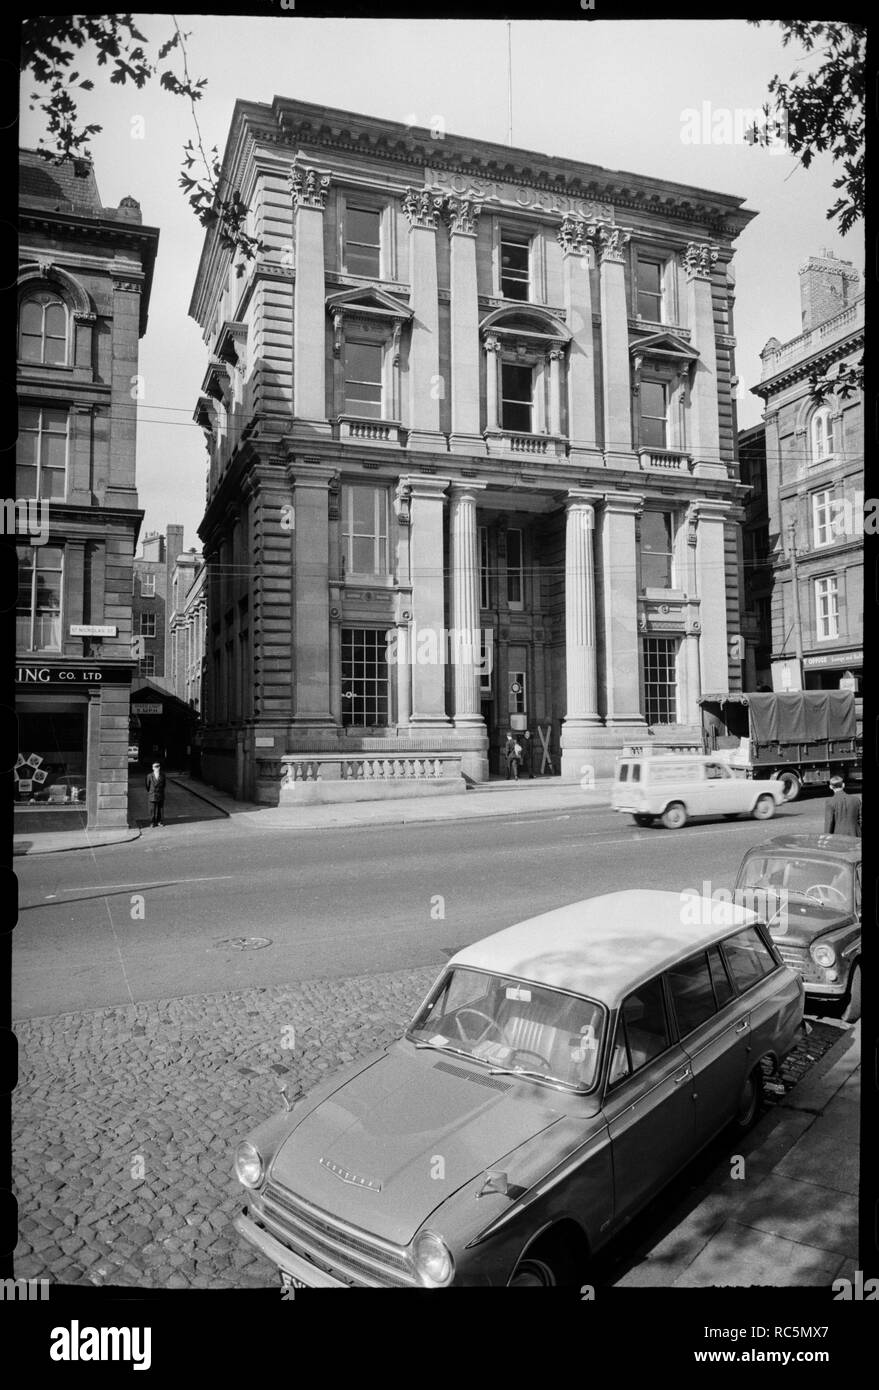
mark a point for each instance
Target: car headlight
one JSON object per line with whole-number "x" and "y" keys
{"x": 249, "y": 1167}
{"x": 823, "y": 955}
{"x": 432, "y": 1260}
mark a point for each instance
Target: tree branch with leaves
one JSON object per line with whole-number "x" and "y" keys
{"x": 49, "y": 46}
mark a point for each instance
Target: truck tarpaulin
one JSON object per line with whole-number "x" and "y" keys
{"x": 802, "y": 716}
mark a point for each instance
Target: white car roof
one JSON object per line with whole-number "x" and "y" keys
{"x": 605, "y": 946}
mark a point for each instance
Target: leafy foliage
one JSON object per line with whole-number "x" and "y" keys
{"x": 49, "y": 43}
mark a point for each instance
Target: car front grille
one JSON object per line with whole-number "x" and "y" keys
{"x": 799, "y": 960}
{"x": 351, "y": 1254}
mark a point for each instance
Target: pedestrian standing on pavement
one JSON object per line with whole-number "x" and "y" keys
{"x": 155, "y": 785}
{"x": 842, "y": 813}
{"x": 528, "y": 753}
{"x": 511, "y": 757}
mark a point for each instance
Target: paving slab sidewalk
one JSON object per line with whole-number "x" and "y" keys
{"x": 783, "y": 1210}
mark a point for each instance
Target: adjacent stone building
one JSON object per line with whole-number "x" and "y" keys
{"x": 153, "y": 569}
{"x": 84, "y": 280}
{"x": 472, "y": 449}
{"x": 814, "y": 485}
{"x": 187, "y": 625}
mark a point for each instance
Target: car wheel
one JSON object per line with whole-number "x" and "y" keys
{"x": 641, "y": 819}
{"x": 764, "y": 809}
{"x": 674, "y": 817}
{"x": 792, "y": 784}
{"x": 749, "y": 1101}
{"x": 852, "y": 1011}
{"x": 550, "y": 1263}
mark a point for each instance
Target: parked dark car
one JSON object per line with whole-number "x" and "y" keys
{"x": 809, "y": 887}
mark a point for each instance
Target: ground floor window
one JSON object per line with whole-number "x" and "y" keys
{"x": 660, "y": 680}
{"x": 51, "y": 763}
{"x": 365, "y": 683}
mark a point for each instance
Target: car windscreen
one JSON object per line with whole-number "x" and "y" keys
{"x": 514, "y": 1026}
{"x": 819, "y": 881}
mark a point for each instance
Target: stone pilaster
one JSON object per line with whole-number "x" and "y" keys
{"x": 492, "y": 358}
{"x": 711, "y": 581}
{"x": 704, "y": 426}
{"x": 462, "y": 216}
{"x": 311, "y": 596}
{"x": 622, "y": 649}
{"x": 309, "y": 189}
{"x": 422, "y": 207}
{"x": 581, "y": 349}
{"x": 609, "y": 242}
{"x": 426, "y": 505}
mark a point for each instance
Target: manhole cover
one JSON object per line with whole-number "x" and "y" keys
{"x": 242, "y": 943}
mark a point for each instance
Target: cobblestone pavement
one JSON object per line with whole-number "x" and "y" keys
{"x": 125, "y": 1119}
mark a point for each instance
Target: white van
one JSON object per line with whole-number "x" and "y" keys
{"x": 677, "y": 787}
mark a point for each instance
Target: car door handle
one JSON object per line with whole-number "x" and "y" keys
{"x": 745, "y": 1023}
{"x": 681, "y": 1076}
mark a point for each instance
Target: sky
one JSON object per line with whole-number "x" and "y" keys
{"x": 608, "y": 93}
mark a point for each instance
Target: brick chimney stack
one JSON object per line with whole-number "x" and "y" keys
{"x": 827, "y": 285}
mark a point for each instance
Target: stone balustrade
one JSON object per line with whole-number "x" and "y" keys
{"x": 368, "y": 431}
{"x": 534, "y": 445}
{"x": 303, "y": 778}
{"x": 665, "y": 460}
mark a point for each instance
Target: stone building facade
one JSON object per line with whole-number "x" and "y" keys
{"x": 814, "y": 462}
{"x": 84, "y": 280}
{"x": 472, "y": 459}
{"x": 187, "y": 626}
{"x": 151, "y": 612}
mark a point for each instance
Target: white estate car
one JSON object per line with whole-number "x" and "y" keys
{"x": 677, "y": 787}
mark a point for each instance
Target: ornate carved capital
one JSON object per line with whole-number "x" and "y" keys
{"x": 608, "y": 240}
{"x": 423, "y": 207}
{"x": 309, "y": 186}
{"x": 462, "y": 214}
{"x": 572, "y": 235}
{"x": 491, "y": 343}
{"x": 698, "y": 259}
{"x": 556, "y": 354}
{"x": 402, "y": 496}
{"x": 692, "y": 525}
{"x": 338, "y": 320}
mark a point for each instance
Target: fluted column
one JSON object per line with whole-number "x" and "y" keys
{"x": 704, "y": 425}
{"x": 711, "y": 579}
{"x": 465, "y": 602}
{"x": 309, "y": 189}
{"x": 462, "y": 215}
{"x": 609, "y": 242}
{"x": 622, "y": 648}
{"x": 422, "y": 207}
{"x": 580, "y": 655}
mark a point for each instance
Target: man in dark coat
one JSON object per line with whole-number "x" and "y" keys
{"x": 155, "y": 785}
{"x": 842, "y": 813}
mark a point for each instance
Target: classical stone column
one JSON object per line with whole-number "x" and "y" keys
{"x": 492, "y": 357}
{"x": 428, "y": 647}
{"x": 711, "y": 580}
{"x": 422, "y": 207}
{"x": 704, "y": 426}
{"x": 581, "y": 715}
{"x": 622, "y": 648}
{"x": 309, "y": 188}
{"x": 581, "y": 350}
{"x": 311, "y": 597}
{"x": 609, "y": 242}
{"x": 462, "y": 215}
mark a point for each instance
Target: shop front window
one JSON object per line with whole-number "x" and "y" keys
{"x": 50, "y": 767}
{"x": 38, "y": 611}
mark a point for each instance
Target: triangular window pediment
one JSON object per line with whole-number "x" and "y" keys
{"x": 665, "y": 345}
{"x": 368, "y": 300}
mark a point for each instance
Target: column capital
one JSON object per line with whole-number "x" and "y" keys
{"x": 608, "y": 240}
{"x": 572, "y": 235}
{"x": 309, "y": 186}
{"x": 461, "y": 214}
{"x": 459, "y": 488}
{"x": 623, "y": 503}
{"x": 422, "y": 206}
{"x": 311, "y": 475}
{"x": 697, "y": 258}
{"x": 416, "y": 486}
{"x": 490, "y": 343}
{"x": 583, "y": 503}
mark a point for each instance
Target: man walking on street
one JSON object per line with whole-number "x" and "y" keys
{"x": 512, "y": 752}
{"x": 842, "y": 813}
{"x": 528, "y": 754}
{"x": 155, "y": 785}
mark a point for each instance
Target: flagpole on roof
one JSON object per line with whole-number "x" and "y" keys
{"x": 510, "y": 81}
